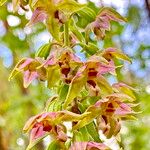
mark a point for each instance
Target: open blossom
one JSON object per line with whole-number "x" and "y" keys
{"x": 42, "y": 124}
{"x": 50, "y": 123}
{"x": 95, "y": 68}
{"x": 113, "y": 109}
{"x": 89, "y": 146}
{"x": 102, "y": 22}
{"x": 66, "y": 62}
{"x": 28, "y": 67}
{"x": 42, "y": 12}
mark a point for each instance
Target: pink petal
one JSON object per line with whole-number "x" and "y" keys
{"x": 30, "y": 123}
{"x": 100, "y": 146}
{"x": 50, "y": 61}
{"x": 121, "y": 84}
{"x": 79, "y": 146}
{"x": 37, "y": 133}
{"x": 110, "y": 49}
{"x": 38, "y": 15}
{"x": 75, "y": 58}
{"x": 29, "y": 77}
{"x": 25, "y": 63}
{"x": 123, "y": 109}
{"x": 61, "y": 134}
{"x": 51, "y": 115}
{"x": 110, "y": 68}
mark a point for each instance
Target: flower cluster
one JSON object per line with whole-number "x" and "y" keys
{"x": 84, "y": 96}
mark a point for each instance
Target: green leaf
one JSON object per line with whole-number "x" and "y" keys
{"x": 70, "y": 6}
{"x": 77, "y": 136}
{"x": 2, "y": 2}
{"x": 75, "y": 87}
{"x": 76, "y": 31}
{"x": 53, "y": 27}
{"x": 43, "y": 51}
{"x": 63, "y": 92}
{"x": 91, "y": 128}
{"x": 54, "y": 145}
{"x": 104, "y": 86}
{"x": 85, "y": 16}
{"x": 91, "y": 48}
{"x": 94, "y": 112}
{"x": 53, "y": 76}
{"x": 85, "y": 135}
{"x": 87, "y": 13}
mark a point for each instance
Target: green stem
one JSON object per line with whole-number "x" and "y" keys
{"x": 66, "y": 33}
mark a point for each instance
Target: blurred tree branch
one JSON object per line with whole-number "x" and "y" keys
{"x": 147, "y": 2}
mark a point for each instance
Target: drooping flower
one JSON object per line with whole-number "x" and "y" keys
{"x": 39, "y": 15}
{"x": 102, "y": 22}
{"x": 28, "y": 67}
{"x": 113, "y": 109}
{"x": 95, "y": 81}
{"x": 89, "y": 146}
{"x": 62, "y": 64}
{"x": 50, "y": 123}
{"x": 42, "y": 125}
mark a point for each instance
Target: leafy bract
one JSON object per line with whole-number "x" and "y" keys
{"x": 76, "y": 86}
{"x": 53, "y": 27}
{"x": 70, "y": 6}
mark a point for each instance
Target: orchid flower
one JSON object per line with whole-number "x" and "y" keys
{"x": 102, "y": 22}
{"x": 113, "y": 109}
{"x": 65, "y": 66}
{"x": 50, "y": 123}
{"x": 43, "y": 125}
{"x": 28, "y": 67}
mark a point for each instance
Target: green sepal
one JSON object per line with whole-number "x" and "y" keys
{"x": 63, "y": 92}
{"x": 70, "y": 6}
{"x": 53, "y": 74}
{"x": 75, "y": 88}
{"x": 113, "y": 12}
{"x": 53, "y": 27}
{"x": 76, "y": 31}
{"x": 33, "y": 143}
{"x": 91, "y": 48}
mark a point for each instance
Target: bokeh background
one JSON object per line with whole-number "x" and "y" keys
{"x": 17, "y": 104}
